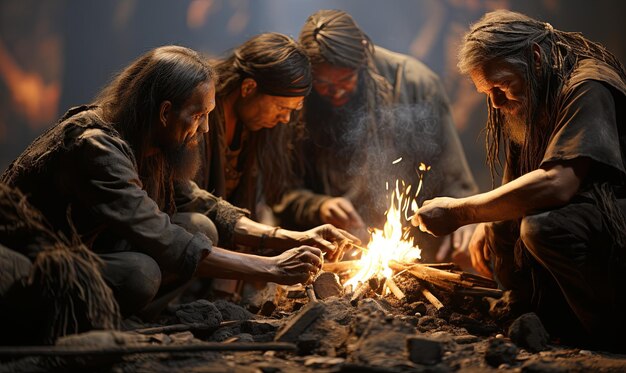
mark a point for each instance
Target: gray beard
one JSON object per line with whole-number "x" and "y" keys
{"x": 515, "y": 128}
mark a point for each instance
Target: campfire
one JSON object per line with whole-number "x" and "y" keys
{"x": 392, "y": 252}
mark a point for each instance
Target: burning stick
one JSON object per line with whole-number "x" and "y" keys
{"x": 310, "y": 293}
{"x": 359, "y": 292}
{"x": 432, "y": 298}
{"x": 445, "y": 279}
{"x": 394, "y": 288}
{"x": 345, "y": 266}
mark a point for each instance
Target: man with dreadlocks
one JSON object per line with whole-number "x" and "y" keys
{"x": 555, "y": 229}
{"x": 108, "y": 172}
{"x": 262, "y": 83}
{"x": 369, "y": 107}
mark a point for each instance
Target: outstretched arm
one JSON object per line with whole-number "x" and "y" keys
{"x": 294, "y": 266}
{"x": 550, "y": 186}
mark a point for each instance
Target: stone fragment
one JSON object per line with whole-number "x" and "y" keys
{"x": 423, "y": 350}
{"x": 528, "y": 332}
{"x": 300, "y": 322}
{"x": 200, "y": 312}
{"x": 327, "y": 285}
{"x": 500, "y": 352}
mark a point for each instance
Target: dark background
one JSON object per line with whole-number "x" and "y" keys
{"x": 55, "y": 54}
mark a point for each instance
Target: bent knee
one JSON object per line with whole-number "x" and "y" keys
{"x": 195, "y": 222}
{"x": 533, "y": 228}
{"x": 135, "y": 279}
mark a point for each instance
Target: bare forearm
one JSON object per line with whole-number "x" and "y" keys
{"x": 253, "y": 234}
{"x": 222, "y": 263}
{"x": 534, "y": 191}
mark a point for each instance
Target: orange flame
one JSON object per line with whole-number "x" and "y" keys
{"x": 393, "y": 241}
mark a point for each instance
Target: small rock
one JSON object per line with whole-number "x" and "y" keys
{"x": 426, "y": 323}
{"x": 585, "y": 352}
{"x": 500, "y": 352}
{"x": 260, "y": 326}
{"x": 372, "y": 306}
{"x": 499, "y": 335}
{"x": 528, "y": 332}
{"x": 424, "y": 350}
{"x": 232, "y": 311}
{"x": 418, "y": 307}
{"x": 245, "y": 337}
{"x": 199, "y": 312}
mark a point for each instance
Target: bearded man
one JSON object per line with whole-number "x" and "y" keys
{"x": 109, "y": 172}
{"x": 369, "y": 108}
{"x": 554, "y": 230}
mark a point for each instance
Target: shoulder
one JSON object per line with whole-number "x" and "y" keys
{"x": 88, "y": 134}
{"x": 413, "y": 69}
{"x": 590, "y": 70}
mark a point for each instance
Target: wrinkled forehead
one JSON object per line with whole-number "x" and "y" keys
{"x": 491, "y": 74}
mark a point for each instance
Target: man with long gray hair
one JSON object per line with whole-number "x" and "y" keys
{"x": 373, "y": 116}
{"x": 554, "y": 231}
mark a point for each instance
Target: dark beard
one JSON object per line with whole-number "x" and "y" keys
{"x": 334, "y": 127}
{"x": 184, "y": 161}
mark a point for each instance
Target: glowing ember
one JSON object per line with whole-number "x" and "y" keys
{"x": 393, "y": 241}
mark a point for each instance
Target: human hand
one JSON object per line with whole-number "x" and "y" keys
{"x": 297, "y": 265}
{"x": 437, "y": 216}
{"x": 326, "y": 237}
{"x": 479, "y": 251}
{"x": 340, "y": 212}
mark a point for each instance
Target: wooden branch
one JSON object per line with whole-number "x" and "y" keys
{"x": 359, "y": 292}
{"x": 175, "y": 328}
{"x": 391, "y": 284}
{"x": 338, "y": 267}
{"x": 310, "y": 293}
{"x": 432, "y": 298}
{"x": 17, "y": 351}
{"x": 451, "y": 281}
{"x": 478, "y": 291}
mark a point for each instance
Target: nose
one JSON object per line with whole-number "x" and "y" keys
{"x": 498, "y": 99}
{"x": 284, "y": 118}
{"x": 204, "y": 125}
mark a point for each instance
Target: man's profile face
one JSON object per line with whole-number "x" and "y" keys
{"x": 334, "y": 83}
{"x": 184, "y": 126}
{"x": 258, "y": 110}
{"x": 191, "y": 120}
{"x": 505, "y": 87}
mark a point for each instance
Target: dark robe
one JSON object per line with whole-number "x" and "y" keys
{"x": 359, "y": 163}
{"x": 569, "y": 267}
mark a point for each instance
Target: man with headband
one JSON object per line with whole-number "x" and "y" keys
{"x": 370, "y": 108}
{"x": 245, "y": 154}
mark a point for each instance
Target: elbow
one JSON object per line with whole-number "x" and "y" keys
{"x": 560, "y": 188}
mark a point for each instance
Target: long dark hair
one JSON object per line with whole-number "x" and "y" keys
{"x": 333, "y": 37}
{"x": 509, "y": 37}
{"x": 280, "y": 67}
{"x": 131, "y": 104}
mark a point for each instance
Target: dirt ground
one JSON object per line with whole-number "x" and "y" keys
{"x": 372, "y": 334}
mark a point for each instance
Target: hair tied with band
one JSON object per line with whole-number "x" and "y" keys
{"x": 318, "y": 29}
